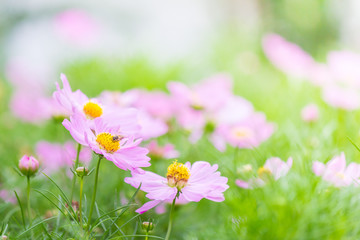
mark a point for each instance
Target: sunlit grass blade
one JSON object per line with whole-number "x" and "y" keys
{"x": 21, "y": 209}
{"x": 122, "y": 212}
{"x": 71, "y": 215}
{"x": 98, "y": 213}
{"x": 354, "y": 144}
{"x": 34, "y": 226}
{"x": 126, "y": 223}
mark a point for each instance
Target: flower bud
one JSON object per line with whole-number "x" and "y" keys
{"x": 82, "y": 171}
{"x": 3, "y": 237}
{"x": 28, "y": 165}
{"x": 147, "y": 226}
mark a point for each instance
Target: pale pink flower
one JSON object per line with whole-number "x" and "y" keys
{"x": 336, "y": 172}
{"x": 151, "y": 127}
{"x": 54, "y": 156}
{"x": 194, "y": 106}
{"x": 113, "y": 142}
{"x": 77, "y": 27}
{"x": 168, "y": 151}
{"x": 7, "y": 197}
{"x": 248, "y": 133}
{"x": 28, "y": 165}
{"x": 202, "y": 95}
{"x": 156, "y": 103}
{"x": 287, "y": 56}
{"x": 23, "y": 103}
{"x": 310, "y": 113}
{"x": 119, "y": 99}
{"x": 274, "y": 168}
{"x": 342, "y": 90}
{"x": 197, "y": 181}
{"x": 78, "y": 102}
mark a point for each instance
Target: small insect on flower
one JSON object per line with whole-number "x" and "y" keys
{"x": 117, "y": 138}
{"x": 192, "y": 183}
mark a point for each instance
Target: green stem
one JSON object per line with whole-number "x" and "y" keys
{"x": 171, "y": 217}
{"x": 147, "y": 236}
{"x": 76, "y": 164}
{"x": 28, "y": 204}
{"x": 80, "y": 201}
{"x": 95, "y": 188}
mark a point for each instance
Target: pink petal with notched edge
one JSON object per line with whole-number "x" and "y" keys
{"x": 147, "y": 206}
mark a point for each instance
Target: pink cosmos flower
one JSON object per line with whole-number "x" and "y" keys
{"x": 287, "y": 56}
{"x": 151, "y": 127}
{"x": 77, "y": 27}
{"x": 23, "y": 103}
{"x": 54, "y": 156}
{"x": 194, "y": 182}
{"x": 336, "y": 172}
{"x": 248, "y": 133}
{"x": 119, "y": 99}
{"x": 168, "y": 151}
{"x": 342, "y": 90}
{"x": 113, "y": 142}
{"x": 310, "y": 113}
{"x": 158, "y": 104}
{"x": 194, "y": 105}
{"x": 274, "y": 168}
{"x": 92, "y": 108}
{"x": 28, "y": 165}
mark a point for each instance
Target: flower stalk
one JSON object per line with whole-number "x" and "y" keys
{"x": 76, "y": 164}
{"x": 171, "y": 216}
{"x": 28, "y": 204}
{"x": 95, "y": 188}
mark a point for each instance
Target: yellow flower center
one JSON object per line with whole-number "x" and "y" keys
{"x": 108, "y": 142}
{"x": 340, "y": 175}
{"x": 242, "y": 133}
{"x": 264, "y": 173}
{"x": 177, "y": 175}
{"x": 92, "y": 110}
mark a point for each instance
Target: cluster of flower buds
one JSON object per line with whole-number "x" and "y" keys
{"x": 28, "y": 165}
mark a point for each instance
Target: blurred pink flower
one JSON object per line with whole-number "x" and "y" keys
{"x": 336, "y": 172}
{"x": 208, "y": 95}
{"x": 342, "y": 90}
{"x": 248, "y": 133}
{"x": 113, "y": 142}
{"x": 151, "y": 127}
{"x": 199, "y": 105}
{"x": 168, "y": 151}
{"x": 287, "y": 56}
{"x": 28, "y": 165}
{"x": 24, "y": 102}
{"x": 77, "y": 26}
{"x": 274, "y": 168}
{"x": 7, "y": 197}
{"x": 119, "y": 99}
{"x": 197, "y": 181}
{"x": 54, "y": 156}
{"x": 158, "y": 104}
{"x": 310, "y": 113}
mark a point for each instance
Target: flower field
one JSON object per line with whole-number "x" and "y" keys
{"x": 253, "y": 136}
